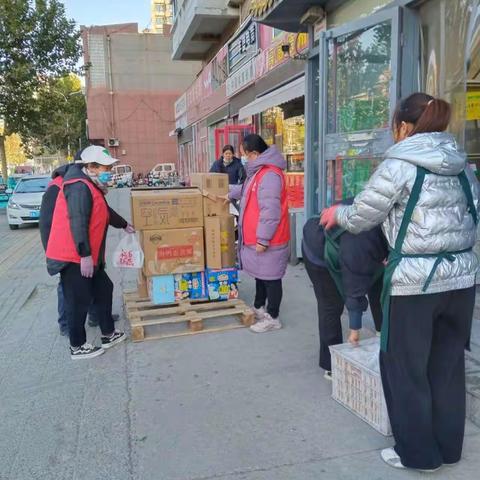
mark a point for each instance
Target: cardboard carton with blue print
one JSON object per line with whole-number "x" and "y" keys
{"x": 222, "y": 284}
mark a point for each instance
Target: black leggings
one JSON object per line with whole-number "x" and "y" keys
{"x": 423, "y": 375}
{"x": 79, "y": 294}
{"x": 272, "y": 291}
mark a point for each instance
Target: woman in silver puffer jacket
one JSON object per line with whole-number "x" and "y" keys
{"x": 426, "y": 198}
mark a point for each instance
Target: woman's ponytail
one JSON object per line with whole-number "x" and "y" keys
{"x": 426, "y": 113}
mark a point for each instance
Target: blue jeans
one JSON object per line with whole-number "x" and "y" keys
{"x": 62, "y": 314}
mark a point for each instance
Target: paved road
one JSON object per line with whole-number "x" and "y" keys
{"x": 231, "y": 406}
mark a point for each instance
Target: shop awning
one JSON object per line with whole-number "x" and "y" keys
{"x": 276, "y": 98}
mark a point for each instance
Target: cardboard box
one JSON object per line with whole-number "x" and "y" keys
{"x": 161, "y": 289}
{"x": 173, "y": 251}
{"x": 220, "y": 249}
{"x": 191, "y": 286}
{"x": 222, "y": 284}
{"x": 167, "y": 289}
{"x": 212, "y": 185}
{"x": 142, "y": 288}
{"x": 166, "y": 209}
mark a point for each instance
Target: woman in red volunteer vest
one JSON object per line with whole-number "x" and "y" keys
{"x": 76, "y": 250}
{"x": 264, "y": 228}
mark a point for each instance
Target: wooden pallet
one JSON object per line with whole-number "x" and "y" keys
{"x": 191, "y": 316}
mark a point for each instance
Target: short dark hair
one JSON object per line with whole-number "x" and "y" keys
{"x": 427, "y": 113}
{"x": 228, "y": 148}
{"x": 93, "y": 164}
{"x": 254, "y": 143}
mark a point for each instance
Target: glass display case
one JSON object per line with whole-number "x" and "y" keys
{"x": 360, "y": 90}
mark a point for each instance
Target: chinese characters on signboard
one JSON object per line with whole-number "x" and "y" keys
{"x": 243, "y": 47}
{"x": 241, "y": 78}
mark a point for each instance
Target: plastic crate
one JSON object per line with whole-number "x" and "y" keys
{"x": 356, "y": 382}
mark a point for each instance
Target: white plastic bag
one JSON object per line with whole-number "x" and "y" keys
{"x": 129, "y": 253}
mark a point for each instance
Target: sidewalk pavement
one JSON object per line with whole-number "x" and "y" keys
{"x": 226, "y": 406}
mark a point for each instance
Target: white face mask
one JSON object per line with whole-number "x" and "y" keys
{"x": 244, "y": 160}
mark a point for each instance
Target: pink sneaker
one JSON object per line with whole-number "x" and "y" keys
{"x": 266, "y": 325}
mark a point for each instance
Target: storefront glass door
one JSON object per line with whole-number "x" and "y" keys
{"x": 360, "y": 90}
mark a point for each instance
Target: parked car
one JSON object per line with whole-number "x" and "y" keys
{"x": 162, "y": 171}
{"x": 23, "y": 207}
{"x": 3, "y": 194}
{"x": 122, "y": 175}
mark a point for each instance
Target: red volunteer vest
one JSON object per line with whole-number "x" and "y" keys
{"x": 252, "y": 211}
{"x": 57, "y": 182}
{"x": 61, "y": 245}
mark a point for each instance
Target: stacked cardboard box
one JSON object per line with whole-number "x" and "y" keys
{"x": 183, "y": 231}
{"x": 219, "y": 224}
{"x": 170, "y": 222}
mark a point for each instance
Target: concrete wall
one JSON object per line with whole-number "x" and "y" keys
{"x": 131, "y": 90}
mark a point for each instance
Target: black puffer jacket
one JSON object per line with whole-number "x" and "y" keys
{"x": 79, "y": 203}
{"x": 361, "y": 256}
{"x": 235, "y": 170}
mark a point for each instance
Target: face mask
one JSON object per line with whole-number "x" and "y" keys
{"x": 105, "y": 177}
{"x": 244, "y": 160}
{"x": 227, "y": 162}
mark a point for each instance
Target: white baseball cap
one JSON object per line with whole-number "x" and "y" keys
{"x": 97, "y": 154}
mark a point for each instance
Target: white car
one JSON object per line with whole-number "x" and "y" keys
{"x": 23, "y": 208}
{"x": 122, "y": 175}
{"x": 163, "y": 170}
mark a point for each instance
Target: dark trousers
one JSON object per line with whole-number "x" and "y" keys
{"x": 330, "y": 308}
{"x": 423, "y": 375}
{"x": 62, "y": 315}
{"x": 269, "y": 293}
{"x": 79, "y": 294}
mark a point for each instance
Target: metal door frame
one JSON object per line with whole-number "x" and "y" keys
{"x": 393, "y": 14}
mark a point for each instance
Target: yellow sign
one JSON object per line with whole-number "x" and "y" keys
{"x": 259, "y": 7}
{"x": 473, "y": 105}
{"x": 298, "y": 43}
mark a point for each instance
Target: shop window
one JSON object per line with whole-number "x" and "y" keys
{"x": 472, "y": 127}
{"x": 284, "y": 127}
{"x": 288, "y": 134}
{"x": 359, "y": 80}
{"x": 358, "y": 108}
{"x": 444, "y": 40}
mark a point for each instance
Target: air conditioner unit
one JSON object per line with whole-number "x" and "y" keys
{"x": 113, "y": 142}
{"x": 312, "y": 16}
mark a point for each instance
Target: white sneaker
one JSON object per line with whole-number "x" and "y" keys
{"x": 259, "y": 313}
{"x": 266, "y": 325}
{"x": 390, "y": 457}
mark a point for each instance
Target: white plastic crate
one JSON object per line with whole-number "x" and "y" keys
{"x": 357, "y": 384}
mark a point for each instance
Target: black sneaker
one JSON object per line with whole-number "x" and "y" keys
{"x": 116, "y": 337}
{"x": 85, "y": 351}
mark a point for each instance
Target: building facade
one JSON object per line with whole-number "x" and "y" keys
{"x": 320, "y": 79}
{"x": 365, "y": 56}
{"x": 131, "y": 87}
{"x": 161, "y": 16}
{"x": 249, "y": 83}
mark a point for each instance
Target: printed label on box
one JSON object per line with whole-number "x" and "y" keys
{"x": 178, "y": 251}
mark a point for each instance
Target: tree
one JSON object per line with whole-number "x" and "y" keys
{"x": 37, "y": 42}
{"x": 14, "y": 150}
{"x": 62, "y": 113}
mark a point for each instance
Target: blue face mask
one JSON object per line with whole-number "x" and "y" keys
{"x": 105, "y": 177}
